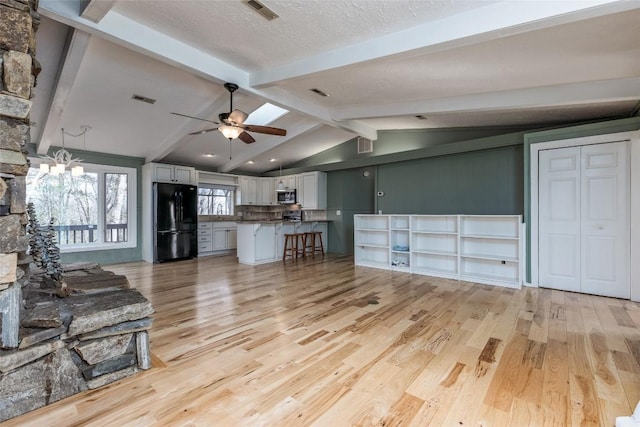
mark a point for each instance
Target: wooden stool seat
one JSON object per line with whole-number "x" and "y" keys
{"x": 294, "y": 245}
{"x": 313, "y": 243}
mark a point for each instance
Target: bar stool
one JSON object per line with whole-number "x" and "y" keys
{"x": 294, "y": 245}
{"x": 313, "y": 243}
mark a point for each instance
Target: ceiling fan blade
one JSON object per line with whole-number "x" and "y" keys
{"x": 238, "y": 116}
{"x": 192, "y": 117}
{"x": 245, "y": 137}
{"x": 203, "y": 131}
{"x": 265, "y": 129}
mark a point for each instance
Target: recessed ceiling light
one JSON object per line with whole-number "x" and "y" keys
{"x": 250, "y": 162}
{"x": 209, "y": 155}
{"x": 318, "y": 91}
{"x": 272, "y": 160}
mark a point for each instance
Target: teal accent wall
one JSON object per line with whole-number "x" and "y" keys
{"x": 350, "y": 192}
{"x": 109, "y": 256}
{"x": 397, "y": 145}
{"x": 487, "y": 182}
{"x": 592, "y": 129}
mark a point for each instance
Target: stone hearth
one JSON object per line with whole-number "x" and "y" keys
{"x": 95, "y": 336}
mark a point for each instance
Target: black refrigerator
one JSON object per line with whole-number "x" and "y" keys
{"x": 175, "y": 212}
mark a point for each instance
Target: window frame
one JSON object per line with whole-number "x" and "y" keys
{"x": 132, "y": 213}
{"x": 224, "y": 187}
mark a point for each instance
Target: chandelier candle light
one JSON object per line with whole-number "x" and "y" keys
{"x": 62, "y": 159}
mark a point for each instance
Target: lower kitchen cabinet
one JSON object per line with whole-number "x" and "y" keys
{"x": 214, "y": 237}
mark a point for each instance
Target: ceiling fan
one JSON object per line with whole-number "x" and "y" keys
{"x": 232, "y": 124}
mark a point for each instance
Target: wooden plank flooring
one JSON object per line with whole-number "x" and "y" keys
{"x": 320, "y": 342}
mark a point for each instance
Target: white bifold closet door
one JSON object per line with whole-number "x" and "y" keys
{"x": 584, "y": 230}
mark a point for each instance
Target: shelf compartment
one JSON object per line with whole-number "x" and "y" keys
{"x": 489, "y": 271}
{"x": 371, "y": 222}
{"x": 399, "y": 222}
{"x": 369, "y": 256}
{"x": 399, "y": 239}
{"x": 435, "y": 223}
{"x": 372, "y": 238}
{"x": 401, "y": 260}
{"x": 434, "y": 243}
{"x": 423, "y": 263}
{"x": 490, "y": 226}
{"x": 498, "y": 249}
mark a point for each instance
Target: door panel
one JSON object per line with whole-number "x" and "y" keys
{"x": 605, "y": 220}
{"x": 559, "y": 219}
{"x": 584, "y": 227}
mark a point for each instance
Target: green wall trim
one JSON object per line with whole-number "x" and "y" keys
{"x": 591, "y": 129}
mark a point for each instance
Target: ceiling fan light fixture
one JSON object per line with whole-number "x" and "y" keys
{"x": 230, "y": 132}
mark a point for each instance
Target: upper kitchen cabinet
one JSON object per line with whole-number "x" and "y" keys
{"x": 288, "y": 181}
{"x": 172, "y": 174}
{"x": 311, "y": 188}
{"x": 265, "y": 192}
{"x": 256, "y": 191}
{"x": 248, "y": 190}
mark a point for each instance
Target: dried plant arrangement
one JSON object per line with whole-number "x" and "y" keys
{"x": 45, "y": 252}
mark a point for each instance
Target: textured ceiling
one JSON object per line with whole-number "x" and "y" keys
{"x": 459, "y": 63}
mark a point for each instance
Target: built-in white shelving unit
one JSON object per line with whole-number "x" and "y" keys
{"x": 477, "y": 248}
{"x": 372, "y": 240}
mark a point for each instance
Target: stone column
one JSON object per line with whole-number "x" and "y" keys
{"x": 18, "y": 69}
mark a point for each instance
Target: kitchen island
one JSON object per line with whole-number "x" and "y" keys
{"x": 261, "y": 242}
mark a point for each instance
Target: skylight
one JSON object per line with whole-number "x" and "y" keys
{"x": 265, "y": 114}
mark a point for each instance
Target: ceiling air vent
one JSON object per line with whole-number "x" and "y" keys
{"x": 263, "y": 10}
{"x": 364, "y": 145}
{"x": 143, "y": 99}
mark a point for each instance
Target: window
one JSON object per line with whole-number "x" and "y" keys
{"x": 93, "y": 211}
{"x": 215, "y": 199}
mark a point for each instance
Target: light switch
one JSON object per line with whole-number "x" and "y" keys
{"x": 338, "y": 212}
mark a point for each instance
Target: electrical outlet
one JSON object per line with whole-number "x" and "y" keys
{"x": 338, "y": 212}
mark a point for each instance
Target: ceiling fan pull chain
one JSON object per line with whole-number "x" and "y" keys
{"x": 229, "y": 148}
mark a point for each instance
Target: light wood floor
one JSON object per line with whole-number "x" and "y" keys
{"x": 300, "y": 344}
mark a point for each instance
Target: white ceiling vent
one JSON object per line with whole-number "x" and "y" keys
{"x": 263, "y": 10}
{"x": 364, "y": 145}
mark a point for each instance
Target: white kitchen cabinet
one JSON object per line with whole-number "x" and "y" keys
{"x": 311, "y": 190}
{"x": 256, "y": 191}
{"x": 265, "y": 193}
{"x": 224, "y": 235}
{"x": 219, "y": 239}
{"x": 173, "y": 174}
{"x": 205, "y": 238}
{"x": 248, "y": 190}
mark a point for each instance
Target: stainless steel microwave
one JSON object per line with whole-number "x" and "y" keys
{"x": 287, "y": 197}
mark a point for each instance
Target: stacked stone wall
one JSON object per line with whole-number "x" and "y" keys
{"x": 18, "y": 70}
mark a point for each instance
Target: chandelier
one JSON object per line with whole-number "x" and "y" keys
{"x": 62, "y": 159}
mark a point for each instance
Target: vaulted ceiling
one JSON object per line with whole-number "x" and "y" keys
{"x": 463, "y": 63}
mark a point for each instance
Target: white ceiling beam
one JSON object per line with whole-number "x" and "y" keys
{"x": 557, "y": 95}
{"x": 181, "y": 134}
{"x": 132, "y": 35}
{"x": 95, "y": 10}
{"x": 267, "y": 144}
{"x": 489, "y": 22}
{"x": 75, "y": 49}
